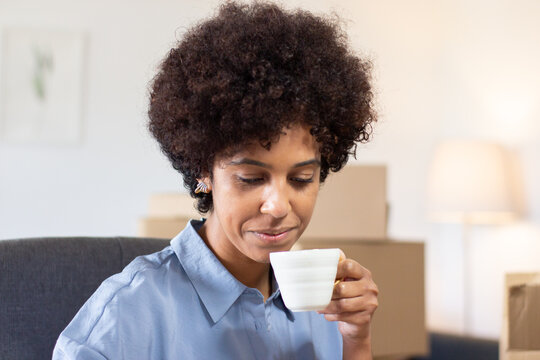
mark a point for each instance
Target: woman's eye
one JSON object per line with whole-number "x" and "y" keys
{"x": 302, "y": 180}
{"x": 251, "y": 181}
{"x": 298, "y": 181}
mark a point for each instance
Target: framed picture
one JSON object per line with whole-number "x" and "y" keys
{"x": 41, "y": 86}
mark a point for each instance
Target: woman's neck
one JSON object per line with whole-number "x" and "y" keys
{"x": 249, "y": 272}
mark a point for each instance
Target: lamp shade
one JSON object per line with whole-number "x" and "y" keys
{"x": 469, "y": 181}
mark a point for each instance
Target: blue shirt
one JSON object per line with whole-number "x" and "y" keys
{"x": 181, "y": 303}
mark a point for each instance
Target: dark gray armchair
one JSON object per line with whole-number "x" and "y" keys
{"x": 44, "y": 282}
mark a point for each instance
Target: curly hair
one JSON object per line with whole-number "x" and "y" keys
{"x": 248, "y": 73}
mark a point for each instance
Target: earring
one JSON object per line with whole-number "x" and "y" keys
{"x": 202, "y": 187}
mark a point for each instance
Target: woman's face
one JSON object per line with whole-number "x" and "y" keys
{"x": 263, "y": 199}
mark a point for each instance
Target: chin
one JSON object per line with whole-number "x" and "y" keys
{"x": 263, "y": 255}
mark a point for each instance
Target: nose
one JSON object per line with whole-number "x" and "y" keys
{"x": 276, "y": 201}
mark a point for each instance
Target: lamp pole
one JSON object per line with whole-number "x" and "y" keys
{"x": 467, "y": 288}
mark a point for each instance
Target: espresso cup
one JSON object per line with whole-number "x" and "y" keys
{"x": 305, "y": 277}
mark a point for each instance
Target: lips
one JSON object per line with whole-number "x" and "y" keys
{"x": 273, "y": 235}
{"x": 273, "y": 231}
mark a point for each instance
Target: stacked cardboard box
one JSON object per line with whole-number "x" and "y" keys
{"x": 351, "y": 213}
{"x": 520, "y": 336}
{"x": 351, "y": 205}
{"x": 168, "y": 214}
{"x": 398, "y": 327}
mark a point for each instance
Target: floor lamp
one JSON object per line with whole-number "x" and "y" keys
{"x": 469, "y": 183}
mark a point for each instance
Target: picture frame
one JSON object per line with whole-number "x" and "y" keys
{"x": 41, "y": 86}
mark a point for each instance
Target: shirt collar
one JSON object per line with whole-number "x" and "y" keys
{"x": 217, "y": 288}
{"x": 214, "y": 284}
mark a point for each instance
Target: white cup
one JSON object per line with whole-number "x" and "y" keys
{"x": 305, "y": 277}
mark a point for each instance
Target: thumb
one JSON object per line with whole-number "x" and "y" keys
{"x": 342, "y": 272}
{"x": 342, "y": 255}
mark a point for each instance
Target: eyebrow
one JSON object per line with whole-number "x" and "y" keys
{"x": 246, "y": 161}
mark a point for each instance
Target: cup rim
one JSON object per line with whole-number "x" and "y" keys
{"x": 287, "y": 258}
{"x": 303, "y": 251}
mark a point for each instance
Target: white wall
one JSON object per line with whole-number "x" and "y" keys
{"x": 443, "y": 69}
{"x": 491, "y": 88}
{"x": 101, "y": 186}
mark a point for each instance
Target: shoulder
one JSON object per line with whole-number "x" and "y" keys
{"x": 143, "y": 273}
{"x": 125, "y": 305}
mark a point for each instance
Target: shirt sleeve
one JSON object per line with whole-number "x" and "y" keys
{"x": 68, "y": 349}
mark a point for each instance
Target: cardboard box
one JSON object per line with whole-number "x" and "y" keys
{"x": 161, "y": 228}
{"x": 524, "y": 317}
{"x": 399, "y": 328}
{"x": 168, "y": 214}
{"x": 351, "y": 205}
{"x": 172, "y": 205}
{"x": 520, "y": 336}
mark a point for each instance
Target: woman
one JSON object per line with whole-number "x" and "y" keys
{"x": 254, "y": 107}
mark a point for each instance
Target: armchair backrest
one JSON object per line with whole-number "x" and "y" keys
{"x": 44, "y": 282}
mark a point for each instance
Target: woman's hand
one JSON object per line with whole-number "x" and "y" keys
{"x": 353, "y": 303}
